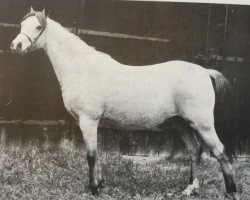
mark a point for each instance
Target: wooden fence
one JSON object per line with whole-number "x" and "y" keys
{"x": 143, "y": 143}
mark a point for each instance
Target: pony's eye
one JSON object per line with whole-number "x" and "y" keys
{"x": 39, "y": 27}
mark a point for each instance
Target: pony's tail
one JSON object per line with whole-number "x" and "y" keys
{"x": 223, "y": 112}
{"x": 221, "y": 85}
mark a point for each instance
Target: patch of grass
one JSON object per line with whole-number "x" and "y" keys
{"x": 38, "y": 172}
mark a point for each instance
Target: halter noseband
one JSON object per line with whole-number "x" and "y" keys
{"x": 43, "y": 24}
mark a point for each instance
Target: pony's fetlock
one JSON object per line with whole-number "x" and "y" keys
{"x": 192, "y": 188}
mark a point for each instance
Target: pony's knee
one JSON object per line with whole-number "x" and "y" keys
{"x": 89, "y": 130}
{"x": 202, "y": 126}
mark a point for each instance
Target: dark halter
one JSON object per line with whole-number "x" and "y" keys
{"x": 43, "y": 23}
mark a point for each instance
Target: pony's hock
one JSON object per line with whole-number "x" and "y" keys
{"x": 94, "y": 87}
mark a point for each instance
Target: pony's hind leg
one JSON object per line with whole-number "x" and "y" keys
{"x": 194, "y": 149}
{"x": 209, "y": 136}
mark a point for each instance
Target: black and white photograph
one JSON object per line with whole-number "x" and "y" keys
{"x": 125, "y": 99}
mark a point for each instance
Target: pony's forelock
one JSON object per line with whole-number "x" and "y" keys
{"x": 38, "y": 15}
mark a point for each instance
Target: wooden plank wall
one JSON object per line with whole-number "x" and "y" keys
{"x": 143, "y": 143}
{"x": 140, "y": 143}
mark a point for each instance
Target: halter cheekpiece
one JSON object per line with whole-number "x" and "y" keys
{"x": 43, "y": 23}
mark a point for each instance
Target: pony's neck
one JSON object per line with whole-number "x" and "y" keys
{"x": 66, "y": 51}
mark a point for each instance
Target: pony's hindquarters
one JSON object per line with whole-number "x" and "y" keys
{"x": 197, "y": 106}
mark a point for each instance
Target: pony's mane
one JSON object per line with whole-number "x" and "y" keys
{"x": 77, "y": 42}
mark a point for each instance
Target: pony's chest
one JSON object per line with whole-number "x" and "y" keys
{"x": 72, "y": 100}
{"x": 79, "y": 99}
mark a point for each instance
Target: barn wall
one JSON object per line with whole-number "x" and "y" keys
{"x": 37, "y": 93}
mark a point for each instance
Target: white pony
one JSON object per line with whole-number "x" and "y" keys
{"x": 95, "y": 87}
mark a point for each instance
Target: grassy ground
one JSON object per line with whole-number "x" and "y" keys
{"x": 37, "y": 172}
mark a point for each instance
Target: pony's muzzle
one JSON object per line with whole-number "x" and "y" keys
{"x": 16, "y": 47}
{"x": 19, "y": 44}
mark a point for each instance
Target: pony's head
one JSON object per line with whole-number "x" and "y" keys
{"x": 31, "y": 36}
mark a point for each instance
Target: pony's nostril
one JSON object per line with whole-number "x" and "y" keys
{"x": 12, "y": 48}
{"x": 19, "y": 45}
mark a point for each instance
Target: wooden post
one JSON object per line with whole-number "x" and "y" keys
{"x": 82, "y": 10}
{"x": 46, "y": 136}
{"x": 3, "y": 137}
{"x": 224, "y": 38}
{"x": 208, "y": 32}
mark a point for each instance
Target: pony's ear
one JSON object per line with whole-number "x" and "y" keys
{"x": 44, "y": 13}
{"x": 31, "y": 9}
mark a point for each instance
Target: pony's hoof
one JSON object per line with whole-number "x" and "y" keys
{"x": 230, "y": 196}
{"x": 101, "y": 183}
{"x": 231, "y": 191}
{"x": 188, "y": 192}
{"x": 96, "y": 189}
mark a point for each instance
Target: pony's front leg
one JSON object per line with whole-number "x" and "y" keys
{"x": 88, "y": 127}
